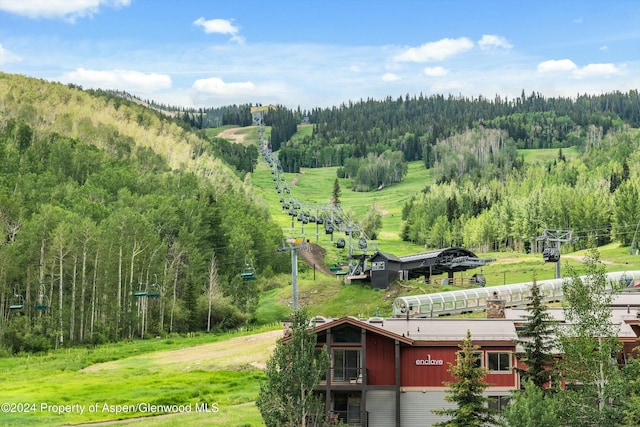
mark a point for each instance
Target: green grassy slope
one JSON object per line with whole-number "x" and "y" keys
{"x": 330, "y": 297}
{"x": 170, "y": 381}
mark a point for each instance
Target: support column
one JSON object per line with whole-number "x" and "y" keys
{"x": 294, "y": 276}
{"x": 398, "y": 377}
{"x": 327, "y": 388}
{"x": 363, "y": 367}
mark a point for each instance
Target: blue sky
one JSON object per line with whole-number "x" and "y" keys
{"x": 210, "y": 53}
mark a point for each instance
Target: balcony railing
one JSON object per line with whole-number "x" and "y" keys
{"x": 347, "y": 375}
{"x": 350, "y": 418}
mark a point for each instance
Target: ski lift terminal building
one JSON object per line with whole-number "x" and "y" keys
{"x": 387, "y": 268}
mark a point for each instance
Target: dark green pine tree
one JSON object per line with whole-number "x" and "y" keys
{"x": 335, "y": 195}
{"x": 466, "y": 391}
{"x": 536, "y": 339}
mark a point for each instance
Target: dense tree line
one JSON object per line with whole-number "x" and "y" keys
{"x": 374, "y": 172}
{"x": 242, "y": 157}
{"x": 284, "y": 124}
{"x": 239, "y": 115}
{"x": 510, "y": 211}
{"x": 92, "y": 215}
{"x": 532, "y": 121}
{"x": 418, "y": 126}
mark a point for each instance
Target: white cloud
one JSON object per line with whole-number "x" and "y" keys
{"x": 568, "y": 66}
{"x": 6, "y": 56}
{"x": 435, "y": 51}
{"x": 597, "y": 70}
{"x": 220, "y": 26}
{"x": 390, "y": 77}
{"x": 217, "y": 86}
{"x": 552, "y": 66}
{"x": 215, "y": 91}
{"x": 66, "y": 9}
{"x": 436, "y": 71}
{"x": 489, "y": 41}
{"x": 127, "y": 80}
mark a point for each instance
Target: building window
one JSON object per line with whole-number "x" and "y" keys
{"x": 346, "y": 365}
{"x": 347, "y": 335}
{"x": 498, "y": 403}
{"x": 499, "y": 362}
{"x": 478, "y": 356}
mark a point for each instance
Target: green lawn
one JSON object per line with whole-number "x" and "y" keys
{"x": 312, "y": 188}
{"x": 56, "y": 389}
{"x": 547, "y": 155}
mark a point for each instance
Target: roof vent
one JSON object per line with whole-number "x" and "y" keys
{"x": 376, "y": 320}
{"x": 320, "y": 319}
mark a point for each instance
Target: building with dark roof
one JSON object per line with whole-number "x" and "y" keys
{"x": 387, "y": 268}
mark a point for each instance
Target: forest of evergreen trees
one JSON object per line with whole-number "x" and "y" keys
{"x": 411, "y": 124}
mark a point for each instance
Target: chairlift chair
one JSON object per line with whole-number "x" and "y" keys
{"x": 551, "y": 255}
{"x": 17, "y": 302}
{"x": 154, "y": 291}
{"x": 340, "y": 243}
{"x": 42, "y": 304}
{"x": 362, "y": 243}
{"x": 248, "y": 272}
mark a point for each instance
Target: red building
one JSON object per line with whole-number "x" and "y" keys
{"x": 391, "y": 372}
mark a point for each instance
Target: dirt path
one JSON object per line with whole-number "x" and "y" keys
{"x": 315, "y": 258}
{"x": 233, "y": 134}
{"x": 251, "y": 350}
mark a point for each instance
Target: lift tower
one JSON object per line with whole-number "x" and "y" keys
{"x": 293, "y": 245}
{"x": 552, "y": 253}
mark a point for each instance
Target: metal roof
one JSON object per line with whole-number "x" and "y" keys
{"x": 423, "y": 331}
{"x": 439, "y": 329}
{"x": 442, "y": 261}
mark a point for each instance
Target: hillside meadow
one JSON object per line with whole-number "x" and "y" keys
{"x": 329, "y": 296}
{"x": 198, "y": 380}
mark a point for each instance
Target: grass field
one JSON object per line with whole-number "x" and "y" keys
{"x": 546, "y": 155}
{"x": 178, "y": 377}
